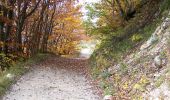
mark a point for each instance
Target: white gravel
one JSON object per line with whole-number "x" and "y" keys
{"x": 47, "y": 83}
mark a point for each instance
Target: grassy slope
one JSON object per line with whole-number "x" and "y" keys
{"x": 18, "y": 69}
{"x": 110, "y": 53}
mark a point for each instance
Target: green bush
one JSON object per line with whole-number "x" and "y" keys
{"x": 165, "y": 5}
{"x": 136, "y": 37}
{"x": 5, "y": 61}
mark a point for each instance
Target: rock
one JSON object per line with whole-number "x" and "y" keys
{"x": 165, "y": 25}
{"x": 108, "y": 97}
{"x": 157, "y": 75}
{"x": 144, "y": 46}
{"x": 158, "y": 61}
{"x": 111, "y": 70}
{"x": 157, "y": 29}
{"x": 152, "y": 39}
{"x": 164, "y": 62}
{"x": 167, "y": 20}
{"x": 159, "y": 32}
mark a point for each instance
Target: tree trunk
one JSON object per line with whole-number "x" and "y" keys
{"x": 19, "y": 30}
{"x": 122, "y": 13}
{"x": 8, "y": 30}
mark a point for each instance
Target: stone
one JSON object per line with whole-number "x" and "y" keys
{"x": 111, "y": 70}
{"x": 158, "y": 61}
{"x": 164, "y": 62}
{"x": 108, "y": 97}
{"x": 165, "y": 25}
{"x": 159, "y": 32}
{"x": 167, "y": 20}
{"x": 152, "y": 39}
{"x": 157, "y": 29}
{"x": 144, "y": 46}
{"x": 157, "y": 75}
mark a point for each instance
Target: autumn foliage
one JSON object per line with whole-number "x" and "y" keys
{"x": 64, "y": 38}
{"x": 31, "y": 26}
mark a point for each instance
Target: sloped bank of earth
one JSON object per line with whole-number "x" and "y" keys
{"x": 144, "y": 74}
{"x": 56, "y": 78}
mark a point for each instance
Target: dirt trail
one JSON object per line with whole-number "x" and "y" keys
{"x": 55, "y": 79}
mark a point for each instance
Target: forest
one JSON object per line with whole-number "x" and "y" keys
{"x": 123, "y": 40}
{"x": 31, "y": 26}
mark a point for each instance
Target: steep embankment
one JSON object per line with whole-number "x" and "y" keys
{"x": 142, "y": 74}
{"x": 147, "y": 69}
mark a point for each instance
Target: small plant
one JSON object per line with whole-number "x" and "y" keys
{"x": 137, "y": 37}
{"x": 123, "y": 68}
{"x": 108, "y": 91}
{"x": 141, "y": 84}
{"x": 103, "y": 84}
{"x": 5, "y": 62}
{"x": 105, "y": 74}
{"x": 107, "y": 87}
{"x": 163, "y": 54}
{"x": 159, "y": 81}
{"x": 95, "y": 72}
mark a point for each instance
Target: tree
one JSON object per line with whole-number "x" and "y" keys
{"x": 68, "y": 27}
{"x": 22, "y": 15}
{"x": 26, "y": 26}
{"x": 114, "y": 16}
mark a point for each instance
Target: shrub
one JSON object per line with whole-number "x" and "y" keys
{"x": 5, "y": 61}
{"x": 137, "y": 37}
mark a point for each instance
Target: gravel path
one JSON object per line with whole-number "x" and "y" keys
{"x": 55, "y": 79}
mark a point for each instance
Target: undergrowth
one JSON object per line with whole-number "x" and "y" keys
{"x": 10, "y": 75}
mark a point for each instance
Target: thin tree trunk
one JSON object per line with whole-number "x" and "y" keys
{"x": 122, "y": 13}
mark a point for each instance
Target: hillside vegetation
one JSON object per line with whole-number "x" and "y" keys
{"x": 123, "y": 66}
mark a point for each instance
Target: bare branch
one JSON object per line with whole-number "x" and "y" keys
{"x": 32, "y": 11}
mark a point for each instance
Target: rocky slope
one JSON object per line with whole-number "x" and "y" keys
{"x": 145, "y": 73}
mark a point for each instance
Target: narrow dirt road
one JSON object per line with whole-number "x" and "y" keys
{"x": 55, "y": 79}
